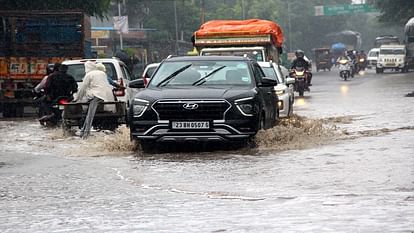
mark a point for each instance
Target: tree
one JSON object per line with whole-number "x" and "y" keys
{"x": 394, "y": 11}
{"x": 98, "y": 8}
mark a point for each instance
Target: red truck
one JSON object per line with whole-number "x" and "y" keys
{"x": 29, "y": 41}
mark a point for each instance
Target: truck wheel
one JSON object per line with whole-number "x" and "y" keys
{"x": 9, "y": 110}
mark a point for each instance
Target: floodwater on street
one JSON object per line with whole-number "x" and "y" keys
{"x": 343, "y": 163}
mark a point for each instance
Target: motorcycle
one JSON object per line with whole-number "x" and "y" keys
{"x": 300, "y": 75}
{"x": 344, "y": 69}
{"x": 52, "y": 117}
{"x": 361, "y": 65}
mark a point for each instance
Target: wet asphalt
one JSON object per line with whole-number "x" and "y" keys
{"x": 360, "y": 180}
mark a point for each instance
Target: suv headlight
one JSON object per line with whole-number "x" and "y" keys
{"x": 139, "y": 106}
{"x": 245, "y": 106}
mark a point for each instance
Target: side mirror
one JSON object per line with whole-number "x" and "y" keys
{"x": 290, "y": 80}
{"x": 138, "y": 83}
{"x": 268, "y": 82}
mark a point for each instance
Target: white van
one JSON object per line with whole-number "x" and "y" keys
{"x": 372, "y": 58}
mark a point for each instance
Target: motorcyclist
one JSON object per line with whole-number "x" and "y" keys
{"x": 363, "y": 55}
{"x": 58, "y": 84}
{"x": 343, "y": 56}
{"x": 300, "y": 61}
{"x": 40, "y": 98}
{"x": 352, "y": 56}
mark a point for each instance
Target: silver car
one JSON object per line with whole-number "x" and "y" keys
{"x": 284, "y": 88}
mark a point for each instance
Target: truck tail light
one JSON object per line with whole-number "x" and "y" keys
{"x": 145, "y": 80}
{"x": 120, "y": 91}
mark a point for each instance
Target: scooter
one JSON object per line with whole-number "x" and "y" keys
{"x": 300, "y": 76}
{"x": 344, "y": 69}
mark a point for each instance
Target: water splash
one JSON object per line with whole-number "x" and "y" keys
{"x": 296, "y": 132}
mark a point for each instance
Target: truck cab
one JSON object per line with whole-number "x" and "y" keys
{"x": 257, "y": 53}
{"x": 392, "y": 57}
{"x": 260, "y": 40}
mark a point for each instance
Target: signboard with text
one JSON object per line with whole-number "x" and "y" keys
{"x": 343, "y": 9}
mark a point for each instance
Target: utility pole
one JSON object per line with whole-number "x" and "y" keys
{"x": 176, "y": 27}
{"x": 242, "y": 8}
{"x": 202, "y": 12}
{"x": 289, "y": 26}
{"x": 120, "y": 32}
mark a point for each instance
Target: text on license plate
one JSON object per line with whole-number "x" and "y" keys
{"x": 190, "y": 125}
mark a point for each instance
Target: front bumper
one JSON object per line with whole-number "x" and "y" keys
{"x": 399, "y": 65}
{"x": 220, "y": 131}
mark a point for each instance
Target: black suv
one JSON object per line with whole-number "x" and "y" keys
{"x": 203, "y": 98}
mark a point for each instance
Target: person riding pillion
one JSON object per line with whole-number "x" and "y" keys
{"x": 95, "y": 89}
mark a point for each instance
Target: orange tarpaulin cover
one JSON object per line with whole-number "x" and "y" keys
{"x": 241, "y": 27}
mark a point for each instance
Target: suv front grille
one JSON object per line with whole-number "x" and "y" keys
{"x": 206, "y": 109}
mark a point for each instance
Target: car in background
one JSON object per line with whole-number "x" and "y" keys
{"x": 392, "y": 57}
{"x": 284, "y": 88}
{"x": 372, "y": 58}
{"x": 203, "y": 99}
{"x": 148, "y": 71}
{"x": 115, "y": 69}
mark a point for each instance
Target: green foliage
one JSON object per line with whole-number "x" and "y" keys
{"x": 98, "y": 8}
{"x": 394, "y": 11}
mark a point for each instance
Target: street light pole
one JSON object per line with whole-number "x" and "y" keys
{"x": 120, "y": 31}
{"x": 242, "y": 8}
{"x": 289, "y": 26}
{"x": 176, "y": 27}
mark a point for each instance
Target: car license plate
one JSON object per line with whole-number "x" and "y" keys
{"x": 61, "y": 107}
{"x": 389, "y": 64}
{"x": 190, "y": 125}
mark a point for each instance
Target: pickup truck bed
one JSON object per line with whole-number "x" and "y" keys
{"x": 74, "y": 115}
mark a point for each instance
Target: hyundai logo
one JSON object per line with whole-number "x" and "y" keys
{"x": 190, "y": 106}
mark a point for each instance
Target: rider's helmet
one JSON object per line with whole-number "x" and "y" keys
{"x": 299, "y": 53}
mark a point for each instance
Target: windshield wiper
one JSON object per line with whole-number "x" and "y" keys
{"x": 204, "y": 79}
{"x": 171, "y": 76}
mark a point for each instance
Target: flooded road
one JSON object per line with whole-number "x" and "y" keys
{"x": 343, "y": 163}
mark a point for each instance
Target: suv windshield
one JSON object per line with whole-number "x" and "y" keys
{"x": 252, "y": 54}
{"x": 206, "y": 73}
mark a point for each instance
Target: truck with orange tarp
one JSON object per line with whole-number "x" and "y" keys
{"x": 29, "y": 41}
{"x": 258, "y": 39}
